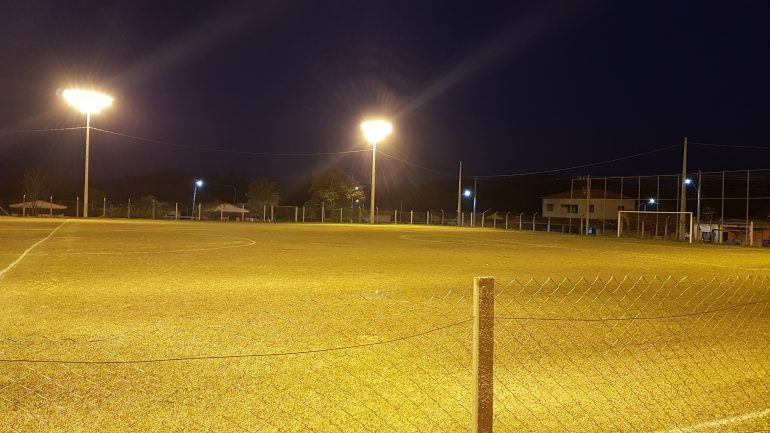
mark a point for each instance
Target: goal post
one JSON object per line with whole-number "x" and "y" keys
{"x": 652, "y": 224}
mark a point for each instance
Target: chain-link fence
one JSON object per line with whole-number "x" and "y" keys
{"x": 648, "y": 354}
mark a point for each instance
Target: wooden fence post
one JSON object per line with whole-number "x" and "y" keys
{"x": 483, "y": 353}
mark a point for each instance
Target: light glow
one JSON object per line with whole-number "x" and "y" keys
{"x": 651, "y": 201}
{"x": 467, "y": 193}
{"x": 87, "y": 101}
{"x": 687, "y": 181}
{"x": 199, "y": 183}
{"x": 376, "y": 130}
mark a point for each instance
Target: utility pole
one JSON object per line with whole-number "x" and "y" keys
{"x": 588, "y": 202}
{"x": 459, "y": 193}
{"x": 683, "y": 194}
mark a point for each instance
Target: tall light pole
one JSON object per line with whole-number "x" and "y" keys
{"x": 198, "y": 184}
{"x": 87, "y": 102}
{"x": 374, "y": 132}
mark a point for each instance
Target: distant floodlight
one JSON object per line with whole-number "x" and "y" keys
{"x": 376, "y": 130}
{"x": 467, "y": 193}
{"x": 687, "y": 181}
{"x": 87, "y": 101}
{"x": 651, "y": 201}
{"x": 199, "y": 183}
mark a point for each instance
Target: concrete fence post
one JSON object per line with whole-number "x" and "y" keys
{"x": 200, "y": 211}
{"x": 411, "y": 217}
{"x": 520, "y": 223}
{"x": 534, "y": 218}
{"x": 128, "y": 212}
{"x": 483, "y": 217}
{"x": 483, "y": 353}
{"x": 77, "y": 206}
{"x": 296, "y": 214}
{"x": 427, "y": 218}
{"x": 176, "y": 211}
{"x": 323, "y": 211}
{"x": 272, "y": 213}
{"x": 303, "y": 214}
{"x": 104, "y": 207}
{"x": 506, "y": 220}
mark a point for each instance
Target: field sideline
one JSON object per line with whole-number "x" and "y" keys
{"x": 107, "y": 290}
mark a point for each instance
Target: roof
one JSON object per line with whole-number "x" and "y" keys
{"x": 38, "y": 204}
{"x": 228, "y": 208}
{"x": 595, "y": 194}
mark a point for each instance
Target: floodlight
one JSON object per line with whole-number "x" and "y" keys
{"x": 467, "y": 193}
{"x": 199, "y": 183}
{"x": 651, "y": 201}
{"x": 376, "y": 130}
{"x": 87, "y": 101}
{"x": 687, "y": 181}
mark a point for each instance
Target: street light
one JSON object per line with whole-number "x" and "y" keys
{"x": 198, "y": 184}
{"x": 374, "y": 132}
{"x": 650, "y": 201}
{"x": 468, "y": 193}
{"x": 87, "y": 102}
{"x": 689, "y": 181}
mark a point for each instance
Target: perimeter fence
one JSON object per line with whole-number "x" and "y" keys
{"x": 588, "y": 355}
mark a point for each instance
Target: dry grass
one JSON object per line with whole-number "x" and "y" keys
{"x": 139, "y": 290}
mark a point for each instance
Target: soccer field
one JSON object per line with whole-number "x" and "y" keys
{"x": 206, "y": 326}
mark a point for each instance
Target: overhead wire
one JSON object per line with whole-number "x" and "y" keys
{"x": 556, "y": 170}
{"x": 733, "y": 146}
{"x": 236, "y": 152}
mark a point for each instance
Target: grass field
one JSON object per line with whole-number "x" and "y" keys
{"x": 102, "y": 325}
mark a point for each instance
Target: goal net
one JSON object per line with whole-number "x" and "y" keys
{"x": 655, "y": 225}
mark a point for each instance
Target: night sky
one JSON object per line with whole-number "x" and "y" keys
{"x": 506, "y": 87}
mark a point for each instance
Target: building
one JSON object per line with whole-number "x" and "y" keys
{"x": 602, "y": 205}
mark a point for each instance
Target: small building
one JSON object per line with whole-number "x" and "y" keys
{"x": 573, "y": 204}
{"x": 38, "y": 207}
{"x": 225, "y": 210}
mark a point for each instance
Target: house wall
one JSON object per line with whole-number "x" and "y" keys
{"x": 576, "y": 207}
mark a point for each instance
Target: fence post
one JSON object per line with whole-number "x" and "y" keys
{"x": 483, "y": 217}
{"x": 176, "y": 211}
{"x": 296, "y": 214}
{"x": 128, "y": 211}
{"x": 483, "y": 353}
{"x": 520, "y": 227}
{"x": 534, "y": 217}
{"x": 199, "y": 210}
{"x": 77, "y": 206}
{"x": 506, "y": 220}
{"x": 411, "y": 217}
{"x": 303, "y": 214}
{"x": 272, "y": 213}
{"x": 50, "y": 207}
{"x": 104, "y": 207}
{"x": 323, "y": 211}
{"x": 427, "y": 218}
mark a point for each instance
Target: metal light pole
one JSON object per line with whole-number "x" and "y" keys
{"x": 475, "y": 193}
{"x": 87, "y": 102}
{"x": 375, "y": 131}
{"x": 688, "y": 181}
{"x": 198, "y": 184}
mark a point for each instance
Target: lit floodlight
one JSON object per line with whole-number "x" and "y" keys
{"x": 467, "y": 193}
{"x": 199, "y": 183}
{"x": 376, "y": 130}
{"x": 651, "y": 201}
{"x": 687, "y": 181}
{"x": 87, "y": 101}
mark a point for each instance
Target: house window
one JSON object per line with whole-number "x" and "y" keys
{"x": 573, "y": 208}
{"x": 591, "y": 208}
{"x": 621, "y": 208}
{"x": 549, "y": 207}
{"x": 565, "y": 208}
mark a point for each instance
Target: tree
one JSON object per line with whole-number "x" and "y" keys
{"x": 262, "y": 192}
{"x": 334, "y": 188}
{"x": 34, "y": 184}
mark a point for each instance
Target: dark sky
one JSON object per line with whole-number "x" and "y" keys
{"x": 505, "y": 86}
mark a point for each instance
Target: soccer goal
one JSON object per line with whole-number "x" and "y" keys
{"x": 654, "y": 225}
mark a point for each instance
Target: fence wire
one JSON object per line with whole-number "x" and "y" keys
{"x": 648, "y": 354}
{"x": 369, "y": 362}
{"x": 587, "y": 355}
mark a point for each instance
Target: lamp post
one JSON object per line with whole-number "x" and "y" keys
{"x": 87, "y": 102}
{"x": 198, "y": 184}
{"x": 468, "y": 193}
{"x": 689, "y": 181}
{"x": 650, "y": 201}
{"x": 374, "y": 132}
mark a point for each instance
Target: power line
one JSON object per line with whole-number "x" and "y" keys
{"x": 236, "y": 152}
{"x": 21, "y": 131}
{"x": 636, "y": 155}
{"x": 413, "y": 164}
{"x": 733, "y": 146}
{"x": 252, "y": 355}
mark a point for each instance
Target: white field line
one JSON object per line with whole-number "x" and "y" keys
{"x": 719, "y": 422}
{"x": 24, "y": 254}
